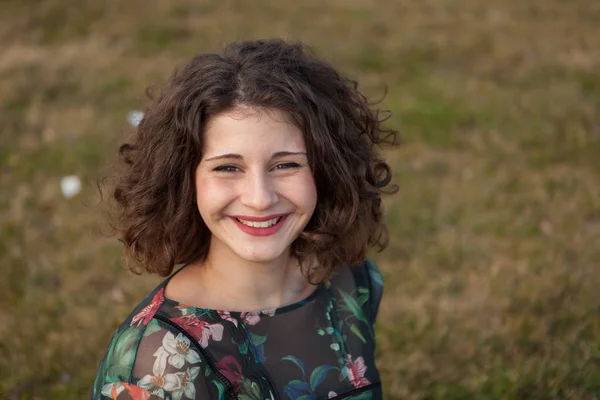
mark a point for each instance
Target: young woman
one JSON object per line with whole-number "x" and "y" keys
{"x": 258, "y": 169}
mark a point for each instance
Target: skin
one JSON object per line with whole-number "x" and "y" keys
{"x": 254, "y": 164}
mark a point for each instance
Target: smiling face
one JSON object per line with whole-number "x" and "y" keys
{"x": 255, "y": 190}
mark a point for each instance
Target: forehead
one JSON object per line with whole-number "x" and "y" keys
{"x": 248, "y": 130}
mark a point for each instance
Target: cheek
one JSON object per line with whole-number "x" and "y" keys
{"x": 213, "y": 195}
{"x": 312, "y": 193}
{"x": 306, "y": 192}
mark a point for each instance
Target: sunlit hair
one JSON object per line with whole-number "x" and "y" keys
{"x": 158, "y": 220}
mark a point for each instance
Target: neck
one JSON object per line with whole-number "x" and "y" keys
{"x": 235, "y": 284}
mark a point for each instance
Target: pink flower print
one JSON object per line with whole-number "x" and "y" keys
{"x": 188, "y": 321}
{"x": 211, "y": 331}
{"x": 145, "y": 316}
{"x": 331, "y": 395}
{"x": 251, "y": 318}
{"x": 231, "y": 369}
{"x": 356, "y": 371}
{"x": 227, "y": 316}
{"x": 202, "y": 331}
{"x": 270, "y": 312}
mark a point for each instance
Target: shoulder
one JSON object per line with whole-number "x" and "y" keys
{"x": 116, "y": 371}
{"x": 368, "y": 275}
{"x": 368, "y": 281}
{"x": 156, "y": 353}
{"x": 158, "y": 361}
{"x": 364, "y": 278}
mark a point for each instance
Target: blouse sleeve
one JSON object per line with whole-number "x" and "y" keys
{"x": 375, "y": 285}
{"x": 160, "y": 363}
{"x": 126, "y": 391}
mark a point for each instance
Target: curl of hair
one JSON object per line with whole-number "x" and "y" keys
{"x": 158, "y": 220}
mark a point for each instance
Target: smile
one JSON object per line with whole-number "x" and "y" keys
{"x": 260, "y": 226}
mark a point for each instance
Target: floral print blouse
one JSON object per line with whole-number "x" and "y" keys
{"x": 319, "y": 348}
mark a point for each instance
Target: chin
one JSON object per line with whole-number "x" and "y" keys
{"x": 260, "y": 256}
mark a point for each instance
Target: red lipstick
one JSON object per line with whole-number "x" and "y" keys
{"x": 251, "y": 230}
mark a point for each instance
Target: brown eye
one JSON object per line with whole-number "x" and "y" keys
{"x": 226, "y": 168}
{"x": 287, "y": 165}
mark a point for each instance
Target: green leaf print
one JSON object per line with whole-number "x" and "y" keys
{"x": 252, "y": 390}
{"x": 243, "y": 347}
{"x": 296, "y": 361}
{"x": 363, "y": 295}
{"x": 357, "y": 332}
{"x": 374, "y": 274}
{"x": 353, "y": 307}
{"x": 257, "y": 340}
{"x": 255, "y": 390}
{"x": 220, "y": 388}
{"x": 152, "y": 327}
{"x": 121, "y": 353}
{"x": 318, "y": 375}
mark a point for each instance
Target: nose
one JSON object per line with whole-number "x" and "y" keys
{"x": 259, "y": 193}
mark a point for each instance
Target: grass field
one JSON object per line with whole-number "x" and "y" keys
{"x": 493, "y": 271}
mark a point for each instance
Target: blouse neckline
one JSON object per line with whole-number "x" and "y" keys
{"x": 239, "y": 314}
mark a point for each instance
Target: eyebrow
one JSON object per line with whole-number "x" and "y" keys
{"x": 278, "y": 154}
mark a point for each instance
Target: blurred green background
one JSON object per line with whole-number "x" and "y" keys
{"x": 492, "y": 272}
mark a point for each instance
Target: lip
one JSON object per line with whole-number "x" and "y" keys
{"x": 258, "y": 219}
{"x": 250, "y": 230}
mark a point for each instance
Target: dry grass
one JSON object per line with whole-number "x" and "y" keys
{"x": 493, "y": 270}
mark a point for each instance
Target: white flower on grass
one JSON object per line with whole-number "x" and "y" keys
{"x": 135, "y": 117}
{"x": 70, "y": 186}
{"x": 177, "y": 350}
{"x": 187, "y": 384}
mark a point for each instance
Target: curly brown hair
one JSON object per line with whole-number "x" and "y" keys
{"x": 158, "y": 220}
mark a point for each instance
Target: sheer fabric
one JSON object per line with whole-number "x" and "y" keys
{"x": 319, "y": 348}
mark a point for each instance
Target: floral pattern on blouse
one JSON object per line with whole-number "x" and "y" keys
{"x": 319, "y": 348}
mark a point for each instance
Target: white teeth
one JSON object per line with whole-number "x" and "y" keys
{"x": 260, "y": 224}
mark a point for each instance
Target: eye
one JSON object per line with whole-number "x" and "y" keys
{"x": 226, "y": 168}
{"x": 287, "y": 165}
